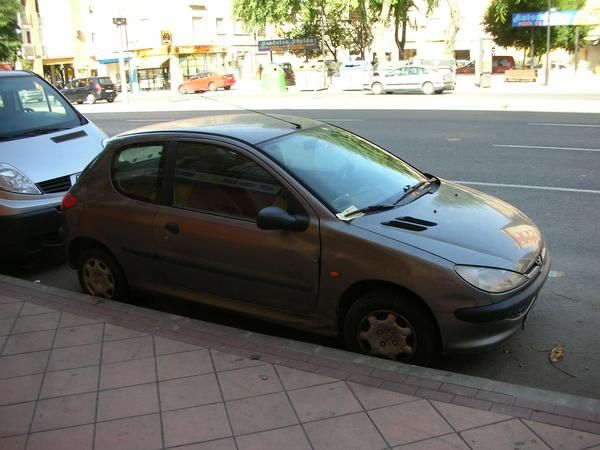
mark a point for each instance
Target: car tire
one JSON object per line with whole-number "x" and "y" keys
{"x": 428, "y": 88}
{"x": 226, "y": 87}
{"x": 90, "y": 99}
{"x": 110, "y": 100}
{"x": 79, "y": 102}
{"x": 100, "y": 275}
{"x": 212, "y": 86}
{"x": 440, "y": 91}
{"x": 182, "y": 90}
{"x": 412, "y": 335}
{"x": 377, "y": 88}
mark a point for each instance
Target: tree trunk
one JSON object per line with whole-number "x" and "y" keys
{"x": 383, "y": 17}
{"x": 453, "y": 27}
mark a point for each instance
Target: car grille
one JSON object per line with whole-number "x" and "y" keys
{"x": 61, "y": 184}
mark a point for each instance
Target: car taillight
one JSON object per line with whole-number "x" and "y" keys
{"x": 68, "y": 201}
{"x": 98, "y": 88}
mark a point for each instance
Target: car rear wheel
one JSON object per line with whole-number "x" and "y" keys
{"x": 100, "y": 275}
{"x": 90, "y": 99}
{"x": 226, "y": 87}
{"x": 428, "y": 88}
{"x": 182, "y": 90}
{"x": 110, "y": 100}
{"x": 377, "y": 88}
{"x": 391, "y": 325}
{"x": 212, "y": 86}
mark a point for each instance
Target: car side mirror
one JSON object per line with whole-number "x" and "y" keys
{"x": 275, "y": 218}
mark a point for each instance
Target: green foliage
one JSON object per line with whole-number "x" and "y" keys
{"x": 10, "y": 40}
{"x": 498, "y": 22}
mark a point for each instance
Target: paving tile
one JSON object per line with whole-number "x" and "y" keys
{"x": 127, "y": 373}
{"x": 13, "y": 442}
{"x": 31, "y": 309}
{"x": 310, "y": 405}
{"x": 114, "y": 332}
{"x": 584, "y": 425}
{"x": 409, "y": 422}
{"x": 354, "y": 432}
{"x": 191, "y": 391}
{"x": 563, "y": 438}
{"x": 6, "y": 299}
{"x": 177, "y": 365}
{"x": 181, "y": 426}
{"x": 221, "y": 444}
{"x": 462, "y": 418}
{"x": 372, "y": 398}
{"x": 164, "y": 346}
{"x": 40, "y": 322}
{"x": 129, "y": 401}
{"x": 561, "y": 421}
{"x": 296, "y": 379}
{"x": 15, "y": 419}
{"x": 20, "y": 389}
{"x": 64, "y": 412}
{"x": 72, "y": 320}
{"x": 127, "y": 349}
{"x": 70, "y": 381}
{"x": 248, "y": 382}
{"x": 78, "y": 335}
{"x": 275, "y": 411}
{"x": 8, "y": 310}
{"x": 26, "y": 364}
{"x": 133, "y": 433}
{"x": 503, "y": 435}
{"x": 291, "y": 438}
{"x": 226, "y": 361}
{"x": 73, "y": 357}
{"x": 28, "y": 342}
{"x": 446, "y": 442}
{"x": 76, "y": 438}
{"x": 6, "y": 325}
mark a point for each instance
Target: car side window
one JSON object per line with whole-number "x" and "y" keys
{"x": 218, "y": 180}
{"x": 137, "y": 171}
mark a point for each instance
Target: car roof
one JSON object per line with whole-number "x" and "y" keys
{"x": 249, "y": 127}
{"x": 16, "y": 73}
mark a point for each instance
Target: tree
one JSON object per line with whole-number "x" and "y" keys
{"x": 10, "y": 39}
{"x": 498, "y": 22}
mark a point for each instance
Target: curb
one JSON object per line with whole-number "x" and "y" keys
{"x": 545, "y": 406}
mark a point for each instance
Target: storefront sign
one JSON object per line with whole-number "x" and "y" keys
{"x": 288, "y": 44}
{"x": 165, "y": 37}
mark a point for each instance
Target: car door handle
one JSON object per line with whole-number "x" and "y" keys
{"x": 172, "y": 227}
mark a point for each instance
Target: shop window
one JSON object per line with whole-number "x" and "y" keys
{"x": 462, "y": 54}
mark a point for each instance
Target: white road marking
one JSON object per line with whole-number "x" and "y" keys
{"x": 563, "y": 125}
{"x": 539, "y": 147}
{"x": 525, "y": 186}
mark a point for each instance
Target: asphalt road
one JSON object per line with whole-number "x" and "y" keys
{"x": 546, "y": 164}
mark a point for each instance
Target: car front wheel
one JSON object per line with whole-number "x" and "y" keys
{"x": 100, "y": 275}
{"x": 377, "y": 88}
{"x": 90, "y": 99}
{"x": 389, "y": 324}
{"x": 428, "y": 88}
{"x": 212, "y": 86}
{"x": 182, "y": 90}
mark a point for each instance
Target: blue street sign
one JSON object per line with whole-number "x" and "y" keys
{"x": 540, "y": 19}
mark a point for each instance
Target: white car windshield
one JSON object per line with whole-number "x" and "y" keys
{"x": 342, "y": 169}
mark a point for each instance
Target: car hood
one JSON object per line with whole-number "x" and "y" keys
{"x": 53, "y": 155}
{"x": 461, "y": 225}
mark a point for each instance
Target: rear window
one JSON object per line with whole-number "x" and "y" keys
{"x": 104, "y": 81}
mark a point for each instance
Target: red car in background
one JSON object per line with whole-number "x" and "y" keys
{"x": 500, "y": 64}
{"x": 207, "y": 81}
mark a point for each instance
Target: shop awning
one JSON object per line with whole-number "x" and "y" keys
{"x": 112, "y": 60}
{"x": 152, "y": 62}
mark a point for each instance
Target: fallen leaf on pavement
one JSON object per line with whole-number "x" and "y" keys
{"x": 557, "y": 353}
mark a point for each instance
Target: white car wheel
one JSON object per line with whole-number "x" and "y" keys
{"x": 377, "y": 88}
{"x": 428, "y": 88}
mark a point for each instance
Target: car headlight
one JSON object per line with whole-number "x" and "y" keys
{"x": 490, "y": 280}
{"x": 12, "y": 180}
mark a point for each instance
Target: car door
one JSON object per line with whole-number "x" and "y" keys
{"x": 208, "y": 239}
{"x": 396, "y": 79}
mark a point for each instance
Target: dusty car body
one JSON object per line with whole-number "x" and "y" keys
{"x": 300, "y": 222}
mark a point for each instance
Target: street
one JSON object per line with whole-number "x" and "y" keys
{"x": 546, "y": 164}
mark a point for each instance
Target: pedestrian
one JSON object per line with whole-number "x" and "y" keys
{"x": 259, "y": 72}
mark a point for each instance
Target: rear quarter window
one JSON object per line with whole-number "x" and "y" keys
{"x": 105, "y": 81}
{"x": 137, "y": 171}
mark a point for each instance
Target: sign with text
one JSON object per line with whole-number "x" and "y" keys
{"x": 288, "y": 44}
{"x": 568, "y": 17}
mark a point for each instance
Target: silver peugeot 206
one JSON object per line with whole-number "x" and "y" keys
{"x": 306, "y": 224}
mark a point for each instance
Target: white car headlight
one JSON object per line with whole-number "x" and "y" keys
{"x": 490, "y": 280}
{"x": 12, "y": 180}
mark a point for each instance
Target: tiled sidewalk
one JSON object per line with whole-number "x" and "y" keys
{"x": 78, "y": 373}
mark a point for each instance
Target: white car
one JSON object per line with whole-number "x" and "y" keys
{"x": 410, "y": 79}
{"x": 44, "y": 145}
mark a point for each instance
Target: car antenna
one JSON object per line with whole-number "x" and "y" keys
{"x": 296, "y": 125}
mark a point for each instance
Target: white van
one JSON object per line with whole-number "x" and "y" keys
{"x": 44, "y": 144}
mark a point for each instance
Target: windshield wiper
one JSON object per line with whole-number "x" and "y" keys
{"x": 416, "y": 187}
{"x": 345, "y": 215}
{"x": 34, "y": 132}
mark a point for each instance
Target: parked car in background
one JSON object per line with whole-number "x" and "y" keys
{"x": 500, "y": 64}
{"x": 90, "y": 90}
{"x": 207, "y": 81}
{"x": 468, "y": 68}
{"x": 300, "y": 222}
{"x": 44, "y": 146}
{"x": 443, "y": 65}
{"x": 411, "y": 78}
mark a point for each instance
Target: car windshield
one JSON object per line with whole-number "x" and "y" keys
{"x": 347, "y": 173}
{"x": 29, "y": 107}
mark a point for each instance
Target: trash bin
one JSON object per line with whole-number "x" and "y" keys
{"x": 353, "y": 74}
{"x": 485, "y": 80}
{"x": 273, "y": 79}
{"x": 311, "y": 77}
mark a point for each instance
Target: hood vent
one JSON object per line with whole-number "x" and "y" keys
{"x": 410, "y": 223}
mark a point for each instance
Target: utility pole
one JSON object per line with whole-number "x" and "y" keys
{"x": 122, "y": 22}
{"x": 547, "y": 73}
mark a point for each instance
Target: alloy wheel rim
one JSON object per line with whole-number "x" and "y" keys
{"x": 388, "y": 335}
{"x": 98, "y": 278}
